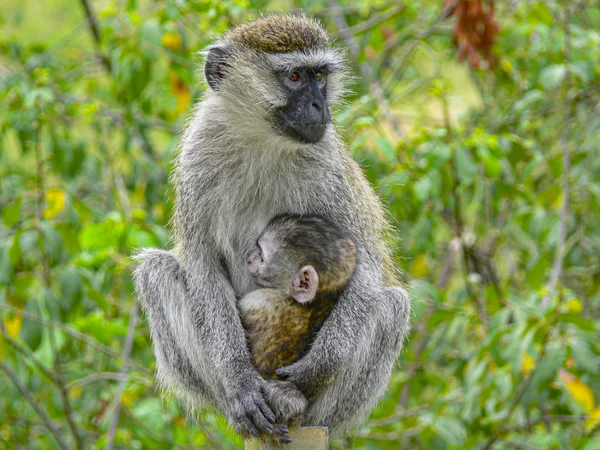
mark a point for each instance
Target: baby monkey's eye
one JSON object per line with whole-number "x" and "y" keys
{"x": 294, "y": 76}
{"x": 319, "y": 76}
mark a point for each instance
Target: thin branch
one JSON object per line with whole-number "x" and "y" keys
{"x": 95, "y": 377}
{"x": 51, "y": 426}
{"x": 501, "y": 428}
{"x": 47, "y": 283}
{"x": 214, "y": 440}
{"x": 76, "y": 334}
{"x": 95, "y": 30}
{"x": 395, "y": 436}
{"x": 459, "y": 226}
{"x": 522, "y": 445}
{"x": 97, "y": 37}
{"x": 365, "y": 70}
{"x": 377, "y": 19}
{"x": 24, "y": 350}
{"x": 566, "y": 162}
{"x": 421, "y": 345}
{"x": 396, "y": 417}
{"x": 133, "y": 316}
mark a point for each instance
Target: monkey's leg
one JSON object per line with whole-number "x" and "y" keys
{"x": 364, "y": 378}
{"x": 200, "y": 345}
{"x": 351, "y": 360}
{"x": 161, "y": 289}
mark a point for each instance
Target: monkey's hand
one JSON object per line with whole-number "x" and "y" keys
{"x": 310, "y": 376}
{"x": 285, "y": 399}
{"x": 249, "y": 413}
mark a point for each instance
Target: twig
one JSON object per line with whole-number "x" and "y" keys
{"x": 459, "y": 227}
{"x": 76, "y": 334}
{"x": 95, "y": 377}
{"x": 27, "y": 352}
{"x": 47, "y": 282}
{"x": 398, "y": 416}
{"x": 95, "y": 30}
{"x": 422, "y": 343}
{"x": 395, "y": 436}
{"x": 97, "y": 37}
{"x": 501, "y": 428}
{"x": 365, "y": 70}
{"x": 566, "y": 160}
{"x": 51, "y": 426}
{"x": 377, "y": 19}
{"x": 133, "y": 316}
{"x": 523, "y": 445}
{"x": 211, "y": 437}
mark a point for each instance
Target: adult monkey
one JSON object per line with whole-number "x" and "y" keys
{"x": 261, "y": 144}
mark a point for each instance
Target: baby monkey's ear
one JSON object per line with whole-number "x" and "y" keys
{"x": 306, "y": 283}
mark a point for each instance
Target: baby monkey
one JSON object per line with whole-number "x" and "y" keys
{"x": 301, "y": 265}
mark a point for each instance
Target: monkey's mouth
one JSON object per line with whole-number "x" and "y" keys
{"x": 305, "y": 131}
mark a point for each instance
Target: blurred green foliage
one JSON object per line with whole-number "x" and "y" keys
{"x": 491, "y": 176}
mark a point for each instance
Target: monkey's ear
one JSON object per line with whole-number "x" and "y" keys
{"x": 216, "y": 65}
{"x": 306, "y": 283}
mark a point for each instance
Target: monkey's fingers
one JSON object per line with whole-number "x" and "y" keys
{"x": 285, "y": 372}
{"x": 279, "y": 431}
{"x": 281, "y": 434}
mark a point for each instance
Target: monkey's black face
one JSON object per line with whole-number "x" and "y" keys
{"x": 306, "y": 114}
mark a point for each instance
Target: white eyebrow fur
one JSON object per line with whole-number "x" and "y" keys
{"x": 330, "y": 58}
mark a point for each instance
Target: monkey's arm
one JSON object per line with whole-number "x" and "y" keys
{"x": 368, "y": 322}
{"x": 199, "y": 342}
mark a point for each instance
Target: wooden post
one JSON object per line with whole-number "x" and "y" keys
{"x": 303, "y": 438}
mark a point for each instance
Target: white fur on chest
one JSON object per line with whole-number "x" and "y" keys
{"x": 253, "y": 190}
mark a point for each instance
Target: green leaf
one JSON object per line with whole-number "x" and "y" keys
{"x": 465, "y": 166}
{"x": 51, "y": 241}
{"x": 386, "y": 149}
{"x": 71, "y": 288}
{"x": 552, "y": 77}
{"x": 138, "y": 238}
{"x": 451, "y": 430}
{"x": 10, "y": 213}
{"x": 422, "y": 188}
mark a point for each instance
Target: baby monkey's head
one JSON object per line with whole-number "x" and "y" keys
{"x": 303, "y": 256}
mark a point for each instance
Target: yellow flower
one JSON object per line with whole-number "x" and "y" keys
{"x": 128, "y": 397}
{"x": 506, "y": 65}
{"x": 181, "y": 91}
{"x": 13, "y": 326}
{"x": 527, "y": 364}
{"x": 2, "y": 348}
{"x": 593, "y": 420}
{"x": 56, "y": 200}
{"x": 171, "y": 41}
{"x": 580, "y": 391}
{"x": 76, "y": 391}
{"x": 575, "y": 306}
{"x": 420, "y": 266}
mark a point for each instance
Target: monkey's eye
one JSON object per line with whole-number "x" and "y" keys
{"x": 319, "y": 76}
{"x": 294, "y": 76}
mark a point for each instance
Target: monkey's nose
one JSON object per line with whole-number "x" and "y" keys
{"x": 317, "y": 106}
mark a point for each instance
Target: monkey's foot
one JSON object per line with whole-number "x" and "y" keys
{"x": 285, "y": 400}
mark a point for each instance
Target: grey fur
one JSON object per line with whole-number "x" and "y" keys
{"x": 234, "y": 174}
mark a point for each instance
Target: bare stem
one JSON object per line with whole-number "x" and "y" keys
{"x": 47, "y": 282}
{"x": 133, "y": 316}
{"x": 377, "y": 92}
{"x": 76, "y": 334}
{"x": 566, "y": 162}
{"x": 51, "y": 426}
